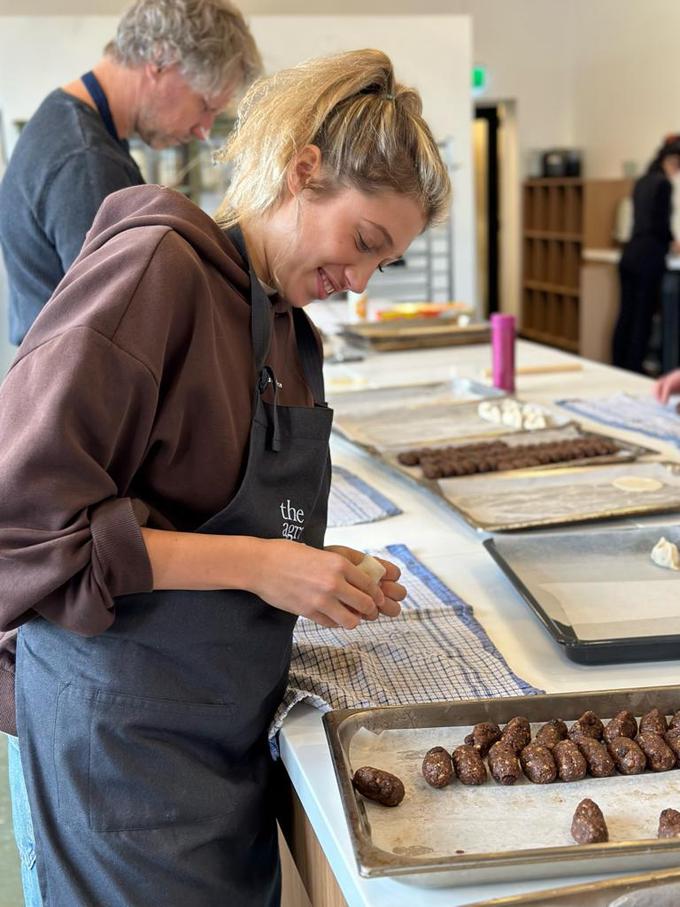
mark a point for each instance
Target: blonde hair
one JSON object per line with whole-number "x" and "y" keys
{"x": 369, "y": 128}
{"x": 208, "y": 40}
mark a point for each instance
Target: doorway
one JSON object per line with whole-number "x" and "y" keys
{"x": 486, "y": 133}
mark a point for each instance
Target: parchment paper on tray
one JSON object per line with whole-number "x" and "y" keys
{"x": 597, "y": 592}
{"x": 460, "y": 819}
{"x": 364, "y": 402}
{"x": 416, "y": 420}
{"x": 520, "y": 500}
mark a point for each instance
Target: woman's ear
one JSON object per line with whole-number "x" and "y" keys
{"x": 304, "y": 169}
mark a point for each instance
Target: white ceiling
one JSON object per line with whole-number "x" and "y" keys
{"x": 249, "y": 7}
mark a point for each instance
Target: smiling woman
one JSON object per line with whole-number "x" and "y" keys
{"x": 162, "y": 514}
{"x": 334, "y": 141}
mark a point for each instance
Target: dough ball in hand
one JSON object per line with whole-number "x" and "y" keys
{"x": 372, "y": 567}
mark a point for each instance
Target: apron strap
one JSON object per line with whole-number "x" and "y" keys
{"x": 260, "y": 306}
{"x": 96, "y": 92}
{"x": 310, "y": 355}
{"x": 261, "y": 333}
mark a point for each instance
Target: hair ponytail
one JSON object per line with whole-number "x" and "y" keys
{"x": 369, "y": 128}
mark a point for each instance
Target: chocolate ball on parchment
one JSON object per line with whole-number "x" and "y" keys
{"x": 378, "y": 785}
{"x": 588, "y": 825}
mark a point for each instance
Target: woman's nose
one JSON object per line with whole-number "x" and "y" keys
{"x": 357, "y": 277}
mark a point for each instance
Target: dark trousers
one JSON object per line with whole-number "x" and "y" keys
{"x": 640, "y": 291}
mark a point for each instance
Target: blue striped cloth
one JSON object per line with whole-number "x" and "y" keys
{"x": 434, "y": 650}
{"x": 353, "y": 501}
{"x": 630, "y": 413}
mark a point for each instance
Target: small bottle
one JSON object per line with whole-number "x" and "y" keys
{"x": 503, "y": 352}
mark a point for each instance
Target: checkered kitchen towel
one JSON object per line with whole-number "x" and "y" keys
{"x": 434, "y": 650}
{"x": 353, "y": 501}
{"x": 630, "y": 413}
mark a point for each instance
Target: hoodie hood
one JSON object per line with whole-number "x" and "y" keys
{"x": 156, "y": 206}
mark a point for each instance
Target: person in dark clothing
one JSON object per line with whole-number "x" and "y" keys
{"x": 643, "y": 261}
{"x": 163, "y": 506}
{"x": 172, "y": 67}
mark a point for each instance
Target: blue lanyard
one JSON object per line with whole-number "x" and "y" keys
{"x": 91, "y": 82}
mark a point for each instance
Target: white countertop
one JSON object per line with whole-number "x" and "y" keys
{"x": 612, "y": 256}
{"x": 453, "y": 551}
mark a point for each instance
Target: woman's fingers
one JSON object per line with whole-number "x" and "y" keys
{"x": 661, "y": 391}
{"x": 395, "y": 591}
{"x": 320, "y": 618}
{"x": 666, "y": 386}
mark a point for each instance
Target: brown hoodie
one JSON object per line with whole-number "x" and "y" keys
{"x": 128, "y": 404}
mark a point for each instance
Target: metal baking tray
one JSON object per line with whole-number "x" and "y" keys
{"x": 649, "y": 889}
{"x": 524, "y": 499}
{"x": 412, "y": 333}
{"x": 362, "y": 397}
{"x": 380, "y": 421}
{"x": 586, "y": 588}
{"x": 462, "y": 820}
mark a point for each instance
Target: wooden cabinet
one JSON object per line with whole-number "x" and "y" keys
{"x": 561, "y": 218}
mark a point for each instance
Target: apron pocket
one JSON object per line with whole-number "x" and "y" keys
{"x": 127, "y": 762}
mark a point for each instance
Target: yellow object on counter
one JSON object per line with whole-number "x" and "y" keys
{"x": 421, "y": 310}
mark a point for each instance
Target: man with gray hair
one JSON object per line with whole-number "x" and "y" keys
{"x": 171, "y": 68}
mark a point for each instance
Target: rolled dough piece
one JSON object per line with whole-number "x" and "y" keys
{"x": 513, "y": 414}
{"x": 490, "y": 412}
{"x": 372, "y": 568}
{"x": 534, "y": 420}
{"x": 666, "y": 554}
{"x": 637, "y": 483}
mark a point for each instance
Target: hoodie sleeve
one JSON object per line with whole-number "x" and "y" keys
{"x": 75, "y": 417}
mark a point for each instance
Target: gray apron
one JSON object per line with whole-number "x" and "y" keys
{"x": 145, "y": 748}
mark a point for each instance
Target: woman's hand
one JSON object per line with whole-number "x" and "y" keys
{"x": 325, "y": 586}
{"x": 667, "y": 385}
{"x": 393, "y": 591}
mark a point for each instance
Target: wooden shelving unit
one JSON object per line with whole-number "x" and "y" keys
{"x": 561, "y": 218}
{"x": 553, "y": 217}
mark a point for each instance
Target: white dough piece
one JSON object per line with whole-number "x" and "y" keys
{"x": 637, "y": 483}
{"x": 372, "y": 568}
{"x": 533, "y": 421}
{"x": 666, "y": 554}
{"x": 513, "y": 414}
{"x": 490, "y": 412}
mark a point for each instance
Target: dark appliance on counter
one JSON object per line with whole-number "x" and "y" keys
{"x": 561, "y": 162}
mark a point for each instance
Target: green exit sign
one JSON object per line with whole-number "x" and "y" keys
{"x": 479, "y": 79}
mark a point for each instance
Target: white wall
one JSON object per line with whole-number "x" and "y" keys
{"x": 625, "y": 80}
{"x": 38, "y": 54}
